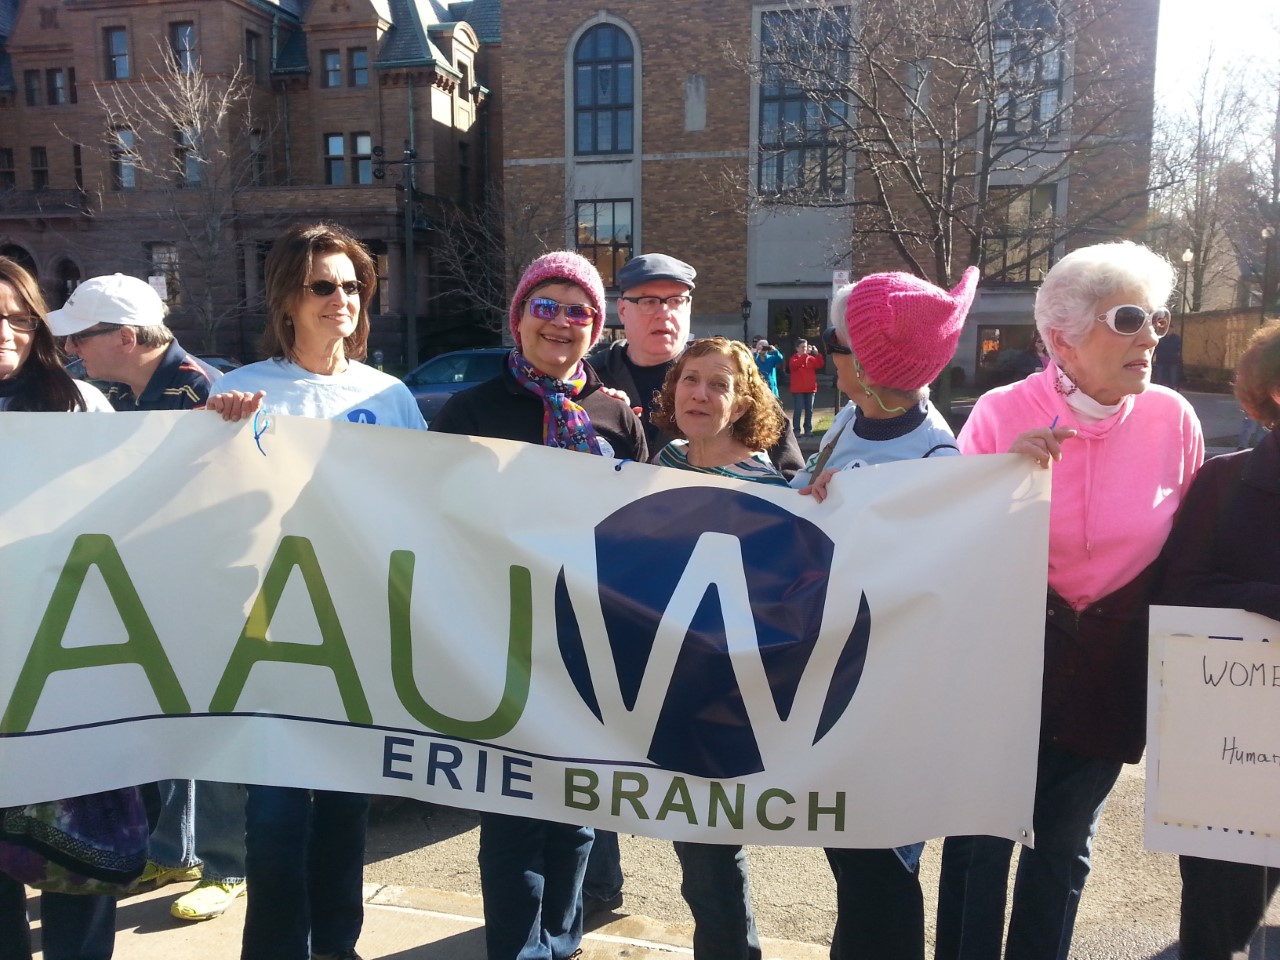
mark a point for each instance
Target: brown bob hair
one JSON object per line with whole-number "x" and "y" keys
{"x": 287, "y": 269}
{"x": 1258, "y": 375}
{"x": 760, "y": 427}
{"x": 42, "y": 381}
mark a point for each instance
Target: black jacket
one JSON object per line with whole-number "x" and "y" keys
{"x": 610, "y": 361}
{"x": 502, "y": 409}
{"x": 1224, "y": 550}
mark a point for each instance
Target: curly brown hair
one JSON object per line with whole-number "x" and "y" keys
{"x": 760, "y": 427}
{"x": 1258, "y": 375}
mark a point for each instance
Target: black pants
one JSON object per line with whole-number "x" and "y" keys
{"x": 1222, "y": 905}
{"x": 879, "y": 907}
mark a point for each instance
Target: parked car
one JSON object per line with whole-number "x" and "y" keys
{"x": 220, "y": 361}
{"x": 435, "y": 381}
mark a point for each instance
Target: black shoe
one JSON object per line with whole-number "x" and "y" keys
{"x": 593, "y": 905}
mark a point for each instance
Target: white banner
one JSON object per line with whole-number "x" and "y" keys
{"x": 1213, "y": 735}
{"x": 506, "y": 627}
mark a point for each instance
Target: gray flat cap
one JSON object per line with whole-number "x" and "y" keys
{"x": 654, "y": 266}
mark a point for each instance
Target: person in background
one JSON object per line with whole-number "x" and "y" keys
{"x": 768, "y": 360}
{"x": 894, "y": 334}
{"x": 804, "y": 366}
{"x": 304, "y": 849}
{"x": 1167, "y": 368}
{"x": 32, "y": 378}
{"x": 531, "y": 871}
{"x": 1124, "y": 453}
{"x": 116, "y": 325}
{"x": 1224, "y": 551}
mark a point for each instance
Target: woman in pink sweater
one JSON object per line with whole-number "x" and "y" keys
{"x": 1124, "y": 453}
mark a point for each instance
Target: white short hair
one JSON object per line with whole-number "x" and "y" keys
{"x": 1067, "y": 299}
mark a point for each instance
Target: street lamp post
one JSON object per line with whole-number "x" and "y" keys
{"x": 746, "y": 315}
{"x": 1268, "y": 245}
{"x": 410, "y": 280}
{"x": 1187, "y": 257}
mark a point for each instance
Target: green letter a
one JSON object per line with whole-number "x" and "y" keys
{"x": 515, "y": 691}
{"x": 48, "y": 655}
{"x": 253, "y": 645}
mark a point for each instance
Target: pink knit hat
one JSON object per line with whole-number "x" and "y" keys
{"x": 560, "y": 265}
{"x": 904, "y": 330}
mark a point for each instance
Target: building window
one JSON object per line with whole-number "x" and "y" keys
{"x": 8, "y": 176}
{"x": 604, "y": 235}
{"x": 60, "y": 86}
{"x": 800, "y": 149}
{"x": 182, "y": 40}
{"x": 1020, "y": 248}
{"x": 257, "y": 158}
{"x": 330, "y": 68}
{"x": 464, "y": 84}
{"x": 602, "y": 91}
{"x": 187, "y": 155}
{"x": 31, "y": 81}
{"x": 335, "y": 168}
{"x": 358, "y": 67}
{"x": 164, "y": 266}
{"x": 464, "y": 173}
{"x": 117, "y": 47}
{"x": 361, "y": 158}
{"x": 124, "y": 171}
{"x": 1028, "y": 68}
{"x": 77, "y": 165}
{"x": 39, "y": 168}
{"x": 252, "y": 46}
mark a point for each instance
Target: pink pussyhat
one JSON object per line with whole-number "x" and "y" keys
{"x": 562, "y": 265}
{"x": 904, "y": 330}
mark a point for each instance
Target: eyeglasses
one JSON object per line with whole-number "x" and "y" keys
{"x": 578, "y": 314}
{"x": 652, "y": 304}
{"x": 21, "y": 324}
{"x": 832, "y": 344}
{"x": 327, "y": 288}
{"x": 76, "y": 338}
{"x": 1129, "y": 319}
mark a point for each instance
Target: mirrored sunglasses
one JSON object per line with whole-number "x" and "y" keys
{"x": 832, "y": 344}
{"x": 1128, "y": 319}
{"x": 578, "y": 314}
{"x": 327, "y": 288}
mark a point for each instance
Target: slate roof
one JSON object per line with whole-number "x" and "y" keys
{"x": 484, "y": 16}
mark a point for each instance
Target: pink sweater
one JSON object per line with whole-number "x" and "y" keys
{"x": 1117, "y": 487}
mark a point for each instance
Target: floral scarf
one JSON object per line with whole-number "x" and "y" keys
{"x": 564, "y": 423}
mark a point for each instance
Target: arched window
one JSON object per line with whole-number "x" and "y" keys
{"x": 603, "y": 97}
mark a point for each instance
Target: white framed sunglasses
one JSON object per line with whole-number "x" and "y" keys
{"x": 1128, "y": 319}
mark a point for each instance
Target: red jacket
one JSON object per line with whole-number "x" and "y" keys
{"x": 804, "y": 369}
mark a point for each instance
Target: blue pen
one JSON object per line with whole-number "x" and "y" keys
{"x": 1054, "y": 424}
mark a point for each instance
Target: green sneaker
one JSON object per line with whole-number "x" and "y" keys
{"x": 154, "y": 876}
{"x": 206, "y": 900}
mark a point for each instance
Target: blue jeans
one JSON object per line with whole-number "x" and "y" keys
{"x": 304, "y": 864}
{"x": 531, "y": 878}
{"x": 201, "y": 821}
{"x": 1070, "y": 793}
{"x": 717, "y": 888}
{"x": 603, "y": 879}
{"x": 72, "y": 927}
{"x": 879, "y": 906}
{"x": 802, "y": 404}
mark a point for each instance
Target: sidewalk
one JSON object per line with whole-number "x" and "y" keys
{"x": 403, "y": 923}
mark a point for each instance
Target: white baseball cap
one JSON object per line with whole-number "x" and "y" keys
{"x": 115, "y": 299}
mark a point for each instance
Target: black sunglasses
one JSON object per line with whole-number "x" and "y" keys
{"x": 327, "y": 288}
{"x": 832, "y": 344}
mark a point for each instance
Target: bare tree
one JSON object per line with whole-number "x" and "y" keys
{"x": 1198, "y": 156}
{"x": 479, "y": 250}
{"x": 193, "y": 142}
{"x": 961, "y": 118}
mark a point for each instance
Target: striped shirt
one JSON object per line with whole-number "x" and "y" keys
{"x": 756, "y": 467}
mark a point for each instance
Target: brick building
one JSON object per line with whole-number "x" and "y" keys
{"x": 647, "y": 137}
{"x": 105, "y": 166}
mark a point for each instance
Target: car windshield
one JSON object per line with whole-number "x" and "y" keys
{"x": 458, "y": 368}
